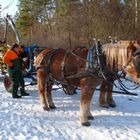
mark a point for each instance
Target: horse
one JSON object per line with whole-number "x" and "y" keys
{"x": 73, "y": 68}
{"x": 130, "y": 68}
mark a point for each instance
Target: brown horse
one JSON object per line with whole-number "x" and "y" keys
{"x": 126, "y": 54}
{"x": 72, "y": 68}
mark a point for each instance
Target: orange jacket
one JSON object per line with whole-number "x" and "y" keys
{"x": 9, "y": 55}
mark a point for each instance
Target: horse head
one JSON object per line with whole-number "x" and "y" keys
{"x": 133, "y": 67}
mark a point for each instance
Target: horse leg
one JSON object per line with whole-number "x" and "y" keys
{"x": 87, "y": 89}
{"x": 109, "y": 97}
{"x": 49, "y": 96}
{"x": 102, "y": 97}
{"x": 41, "y": 80}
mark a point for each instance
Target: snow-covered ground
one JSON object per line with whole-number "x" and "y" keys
{"x": 24, "y": 119}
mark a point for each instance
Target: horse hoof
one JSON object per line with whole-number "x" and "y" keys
{"x": 52, "y": 106}
{"x": 86, "y": 124}
{"x": 105, "y": 105}
{"x": 112, "y": 105}
{"x": 46, "y": 108}
{"x": 75, "y": 92}
{"x": 90, "y": 118}
{"x": 69, "y": 93}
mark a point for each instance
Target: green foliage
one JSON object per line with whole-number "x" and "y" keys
{"x": 78, "y": 21}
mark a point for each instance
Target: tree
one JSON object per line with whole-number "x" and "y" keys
{"x": 70, "y": 23}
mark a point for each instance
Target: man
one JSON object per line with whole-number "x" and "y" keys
{"x": 12, "y": 60}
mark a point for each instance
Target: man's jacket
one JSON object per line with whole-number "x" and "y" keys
{"x": 12, "y": 61}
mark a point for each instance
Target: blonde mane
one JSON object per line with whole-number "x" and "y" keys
{"x": 116, "y": 54}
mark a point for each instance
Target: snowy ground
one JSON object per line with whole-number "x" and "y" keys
{"x": 24, "y": 119}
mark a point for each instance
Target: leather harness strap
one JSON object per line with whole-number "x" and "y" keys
{"x": 86, "y": 72}
{"x": 47, "y": 68}
{"x": 63, "y": 64}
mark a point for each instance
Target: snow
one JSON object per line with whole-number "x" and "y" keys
{"x": 24, "y": 119}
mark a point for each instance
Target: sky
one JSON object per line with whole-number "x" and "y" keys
{"x": 8, "y": 6}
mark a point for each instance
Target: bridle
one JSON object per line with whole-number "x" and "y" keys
{"x": 123, "y": 75}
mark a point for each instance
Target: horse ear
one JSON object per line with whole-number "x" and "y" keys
{"x": 131, "y": 48}
{"x": 131, "y": 43}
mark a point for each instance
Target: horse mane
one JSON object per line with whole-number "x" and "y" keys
{"x": 116, "y": 54}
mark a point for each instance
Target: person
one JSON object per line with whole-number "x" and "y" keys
{"x": 12, "y": 60}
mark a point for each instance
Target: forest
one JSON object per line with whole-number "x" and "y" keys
{"x": 68, "y": 23}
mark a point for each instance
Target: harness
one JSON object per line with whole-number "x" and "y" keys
{"x": 95, "y": 66}
{"x": 123, "y": 75}
{"x": 90, "y": 58}
{"x": 63, "y": 64}
{"x": 47, "y": 68}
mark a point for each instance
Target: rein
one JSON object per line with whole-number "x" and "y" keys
{"x": 74, "y": 54}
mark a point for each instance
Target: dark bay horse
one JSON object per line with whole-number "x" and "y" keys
{"x": 72, "y": 68}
